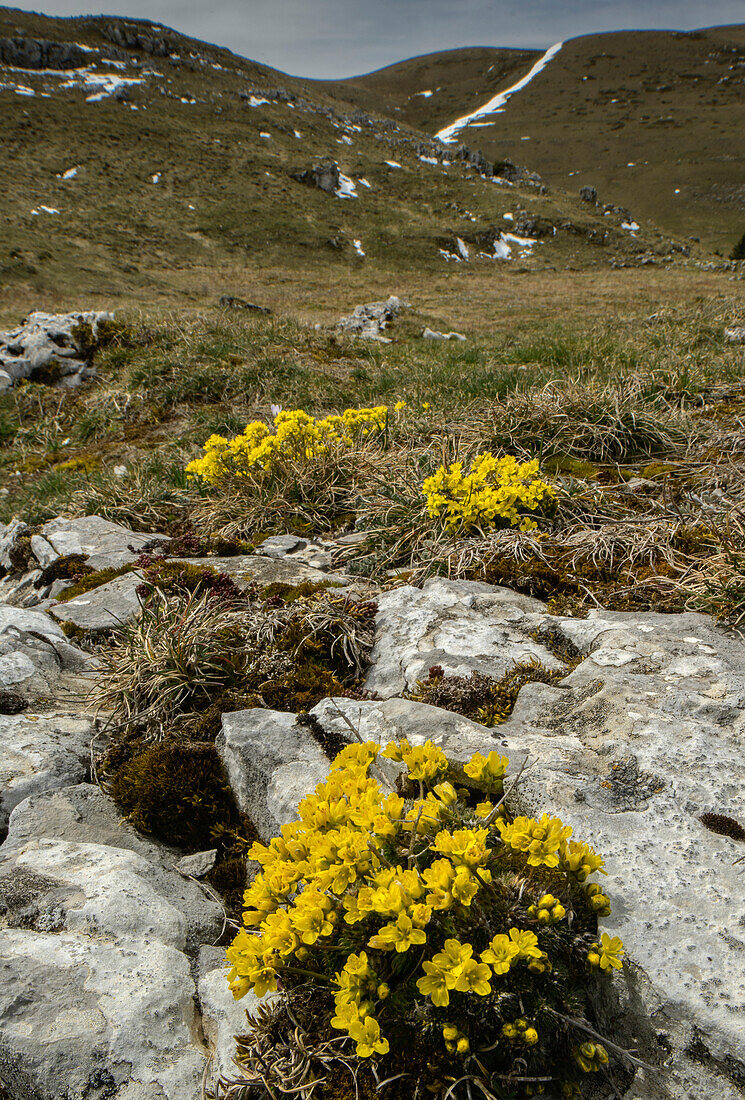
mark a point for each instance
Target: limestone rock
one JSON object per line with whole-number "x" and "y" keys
{"x": 433, "y": 334}
{"x": 369, "y": 320}
{"x": 735, "y": 334}
{"x": 272, "y": 762}
{"x": 39, "y": 754}
{"x": 104, "y": 608}
{"x": 222, "y": 1016}
{"x": 51, "y": 347}
{"x": 9, "y": 535}
{"x": 35, "y": 654}
{"x": 104, "y": 544}
{"x": 464, "y": 626}
{"x": 97, "y": 997}
{"x": 630, "y": 749}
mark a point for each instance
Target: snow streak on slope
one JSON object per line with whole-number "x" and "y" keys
{"x": 496, "y": 105}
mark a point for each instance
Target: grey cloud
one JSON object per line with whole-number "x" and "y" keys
{"x": 333, "y": 38}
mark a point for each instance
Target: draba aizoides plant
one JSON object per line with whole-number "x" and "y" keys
{"x": 497, "y": 492}
{"x": 298, "y": 437}
{"x": 422, "y": 934}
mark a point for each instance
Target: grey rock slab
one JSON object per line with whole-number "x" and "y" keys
{"x": 86, "y": 822}
{"x": 246, "y": 569}
{"x": 35, "y": 655}
{"x": 463, "y": 626}
{"x": 43, "y": 551}
{"x": 735, "y": 334}
{"x": 104, "y": 544}
{"x": 197, "y": 865}
{"x": 271, "y": 762}
{"x": 222, "y": 1016}
{"x": 630, "y": 749}
{"x": 83, "y": 1018}
{"x": 39, "y": 754}
{"x": 104, "y": 608}
{"x": 9, "y": 535}
{"x": 277, "y": 546}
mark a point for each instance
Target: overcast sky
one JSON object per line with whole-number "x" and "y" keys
{"x": 331, "y": 38}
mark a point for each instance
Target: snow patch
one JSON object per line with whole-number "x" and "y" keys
{"x": 449, "y": 133}
{"x": 358, "y": 248}
{"x": 509, "y": 217}
{"x": 462, "y": 248}
{"x": 631, "y": 226}
{"x": 429, "y": 160}
{"x": 347, "y": 188}
{"x": 297, "y": 134}
{"x": 155, "y": 178}
{"x": 70, "y": 174}
{"x": 426, "y": 94}
{"x": 364, "y": 182}
{"x": 393, "y": 164}
{"x": 257, "y": 101}
{"x": 264, "y": 134}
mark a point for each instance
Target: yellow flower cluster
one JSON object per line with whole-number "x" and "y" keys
{"x": 297, "y": 437}
{"x": 497, "y": 492}
{"x": 365, "y": 876}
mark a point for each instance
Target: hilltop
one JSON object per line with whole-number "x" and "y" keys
{"x": 141, "y": 165}
{"x": 671, "y": 103}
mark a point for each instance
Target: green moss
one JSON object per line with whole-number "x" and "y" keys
{"x": 177, "y": 791}
{"x": 479, "y": 697}
{"x": 65, "y": 568}
{"x": 289, "y": 593}
{"x": 567, "y": 464}
{"x": 72, "y": 631}
{"x": 93, "y": 580}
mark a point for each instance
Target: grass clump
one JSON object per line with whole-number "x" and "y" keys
{"x": 423, "y": 936}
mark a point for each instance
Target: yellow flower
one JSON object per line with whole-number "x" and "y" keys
{"x": 487, "y": 769}
{"x": 434, "y": 984}
{"x": 526, "y": 943}
{"x": 473, "y": 978}
{"x": 366, "y": 1033}
{"x": 400, "y": 935}
{"x": 500, "y": 953}
{"x": 611, "y": 953}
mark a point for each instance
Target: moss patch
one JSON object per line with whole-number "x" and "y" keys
{"x": 483, "y": 698}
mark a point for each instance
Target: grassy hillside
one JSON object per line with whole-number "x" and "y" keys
{"x": 162, "y": 169}
{"x": 458, "y": 80}
{"x": 672, "y": 104}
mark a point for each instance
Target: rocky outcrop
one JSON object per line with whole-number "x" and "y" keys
{"x": 51, "y": 347}
{"x": 324, "y": 175}
{"x": 95, "y": 940}
{"x": 40, "y": 53}
{"x": 103, "y": 544}
{"x": 369, "y": 320}
{"x": 36, "y": 659}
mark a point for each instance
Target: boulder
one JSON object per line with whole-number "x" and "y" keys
{"x": 463, "y": 626}
{"x": 271, "y": 761}
{"x": 52, "y": 347}
{"x": 735, "y": 334}
{"x": 104, "y": 608}
{"x": 97, "y": 997}
{"x": 633, "y": 749}
{"x": 40, "y": 754}
{"x": 369, "y": 320}
{"x": 105, "y": 545}
{"x": 35, "y": 655}
{"x": 589, "y": 194}
{"x": 9, "y": 536}
{"x": 433, "y": 334}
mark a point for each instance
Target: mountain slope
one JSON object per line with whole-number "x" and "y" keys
{"x": 140, "y": 163}
{"x": 672, "y": 104}
{"x": 452, "y": 78}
